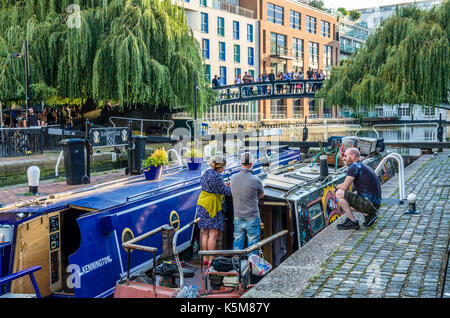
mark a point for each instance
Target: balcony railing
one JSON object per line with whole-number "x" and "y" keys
{"x": 228, "y": 7}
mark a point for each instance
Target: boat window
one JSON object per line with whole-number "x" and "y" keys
{"x": 316, "y": 217}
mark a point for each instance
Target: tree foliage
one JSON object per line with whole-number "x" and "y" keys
{"x": 132, "y": 51}
{"x": 354, "y": 15}
{"x": 405, "y": 61}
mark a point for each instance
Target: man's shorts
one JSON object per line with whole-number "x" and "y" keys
{"x": 360, "y": 204}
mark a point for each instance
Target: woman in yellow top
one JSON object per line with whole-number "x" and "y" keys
{"x": 209, "y": 205}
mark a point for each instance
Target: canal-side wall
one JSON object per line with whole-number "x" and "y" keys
{"x": 400, "y": 256}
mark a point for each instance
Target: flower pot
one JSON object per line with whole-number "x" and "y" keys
{"x": 194, "y": 163}
{"x": 153, "y": 173}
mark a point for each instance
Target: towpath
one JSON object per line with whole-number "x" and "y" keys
{"x": 400, "y": 256}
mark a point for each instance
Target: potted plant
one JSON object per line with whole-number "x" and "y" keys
{"x": 194, "y": 159}
{"x": 152, "y": 165}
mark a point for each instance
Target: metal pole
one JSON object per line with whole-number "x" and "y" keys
{"x": 27, "y": 91}
{"x": 88, "y": 153}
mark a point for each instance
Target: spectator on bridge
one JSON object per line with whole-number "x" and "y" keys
{"x": 238, "y": 79}
{"x": 271, "y": 76}
{"x": 247, "y": 79}
{"x": 51, "y": 117}
{"x": 21, "y": 121}
{"x": 279, "y": 86}
{"x": 367, "y": 198}
{"x": 265, "y": 78}
{"x": 42, "y": 121}
{"x": 215, "y": 81}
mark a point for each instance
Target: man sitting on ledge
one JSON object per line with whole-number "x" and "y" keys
{"x": 367, "y": 200}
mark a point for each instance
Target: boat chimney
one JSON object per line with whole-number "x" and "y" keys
{"x": 323, "y": 167}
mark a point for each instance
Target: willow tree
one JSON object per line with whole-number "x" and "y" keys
{"x": 406, "y": 60}
{"x": 136, "y": 52}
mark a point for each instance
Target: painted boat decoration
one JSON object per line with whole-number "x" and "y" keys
{"x": 77, "y": 237}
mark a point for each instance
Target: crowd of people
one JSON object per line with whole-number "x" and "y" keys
{"x": 61, "y": 116}
{"x": 247, "y": 78}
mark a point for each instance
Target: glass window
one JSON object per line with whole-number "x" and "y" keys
{"x": 314, "y": 55}
{"x": 295, "y": 20}
{"x": 237, "y": 53}
{"x": 205, "y": 48}
{"x": 251, "y": 56}
{"x": 223, "y": 75}
{"x": 297, "y": 50}
{"x": 277, "y": 43}
{"x": 310, "y": 24}
{"x": 275, "y": 14}
{"x": 325, "y": 29}
{"x": 327, "y": 61}
{"x": 237, "y": 71}
{"x": 207, "y": 73}
{"x": 204, "y": 3}
{"x": 221, "y": 26}
{"x": 204, "y": 22}
{"x": 235, "y": 30}
{"x": 250, "y": 32}
{"x": 252, "y": 74}
{"x": 222, "y": 51}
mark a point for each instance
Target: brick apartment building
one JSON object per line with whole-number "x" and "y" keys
{"x": 293, "y": 35}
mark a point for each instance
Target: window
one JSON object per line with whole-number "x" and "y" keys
{"x": 429, "y": 111}
{"x": 220, "y": 26}
{"x": 205, "y": 48}
{"x": 223, "y": 75}
{"x": 204, "y": 3}
{"x": 275, "y": 14}
{"x": 314, "y": 55}
{"x": 277, "y": 43}
{"x": 325, "y": 29}
{"x": 310, "y": 24}
{"x": 237, "y": 53}
{"x": 403, "y": 111}
{"x": 251, "y": 56}
{"x": 207, "y": 73}
{"x": 295, "y": 20}
{"x": 297, "y": 50}
{"x": 235, "y": 30}
{"x": 249, "y": 32}
{"x": 204, "y": 22}
{"x": 252, "y": 74}
{"x": 222, "y": 51}
{"x": 237, "y": 71}
{"x": 327, "y": 61}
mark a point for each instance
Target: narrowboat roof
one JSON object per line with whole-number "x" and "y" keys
{"x": 295, "y": 181}
{"x": 109, "y": 195}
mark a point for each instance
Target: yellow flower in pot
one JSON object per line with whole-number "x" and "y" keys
{"x": 152, "y": 165}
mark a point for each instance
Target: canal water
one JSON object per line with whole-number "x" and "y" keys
{"x": 403, "y": 132}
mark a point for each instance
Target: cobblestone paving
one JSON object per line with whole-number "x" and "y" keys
{"x": 401, "y": 255}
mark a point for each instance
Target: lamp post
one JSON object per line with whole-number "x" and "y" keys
{"x": 25, "y": 55}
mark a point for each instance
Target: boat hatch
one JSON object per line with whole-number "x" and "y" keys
{"x": 47, "y": 240}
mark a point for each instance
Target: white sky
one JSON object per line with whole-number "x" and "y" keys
{"x": 355, "y": 4}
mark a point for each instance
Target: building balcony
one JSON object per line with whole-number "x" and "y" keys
{"x": 347, "y": 49}
{"x": 228, "y": 7}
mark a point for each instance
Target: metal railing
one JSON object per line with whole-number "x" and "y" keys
{"x": 170, "y": 123}
{"x": 228, "y": 7}
{"x": 15, "y": 142}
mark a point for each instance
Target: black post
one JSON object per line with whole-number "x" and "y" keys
{"x": 27, "y": 89}
{"x": 86, "y": 179}
{"x": 440, "y": 131}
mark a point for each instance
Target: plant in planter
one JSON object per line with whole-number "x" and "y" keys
{"x": 194, "y": 159}
{"x": 152, "y": 165}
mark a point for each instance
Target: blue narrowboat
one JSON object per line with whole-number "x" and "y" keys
{"x": 76, "y": 237}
